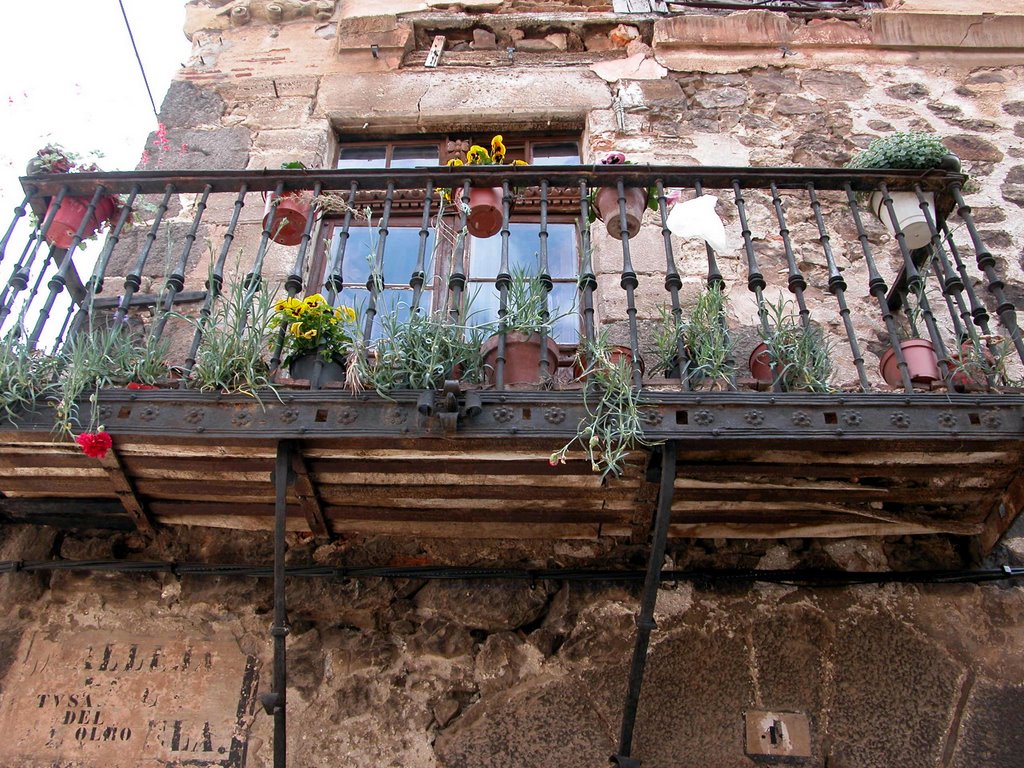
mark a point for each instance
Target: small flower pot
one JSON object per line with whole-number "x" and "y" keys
{"x": 616, "y": 353}
{"x": 485, "y": 211}
{"x": 69, "y": 218}
{"x": 922, "y": 363}
{"x": 760, "y": 364}
{"x": 909, "y": 214}
{"x": 522, "y": 358}
{"x": 304, "y": 367}
{"x": 606, "y": 201}
{"x": 968, "y": 371}
{"x": 289, "y": 218}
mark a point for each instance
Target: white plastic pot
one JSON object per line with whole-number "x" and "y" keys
{"x": 908, "y": 213}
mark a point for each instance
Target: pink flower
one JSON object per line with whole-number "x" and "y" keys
{"x": 672, "y": 196}
{"x": 95, "y": 444}
{"x": 613, "y": 158}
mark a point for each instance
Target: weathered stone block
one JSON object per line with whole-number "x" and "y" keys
{"x": 502, "y": 607}
{"x": 220, "y": 149}
{"x": 718, "y": 98}
{"x": 186, "y": 105}
{"x": 796, "y": 105}
{"x": 831, "y": 84}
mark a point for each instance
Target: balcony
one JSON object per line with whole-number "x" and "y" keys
{"x": 756, "y": 459}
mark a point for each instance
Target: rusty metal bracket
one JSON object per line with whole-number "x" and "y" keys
{"x": 452, "y": 407}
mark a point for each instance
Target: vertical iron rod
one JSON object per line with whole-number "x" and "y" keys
{"x": 715, "y": 278}
{"x": 645, "y": 618}
{"x": 375, "y": 280}
{"x": 19, "y": 212}
{"x": 419, "y": 275}
{"x": 673, "y": 284}
{"x": 544, "y": 275}
{"x": 133, "y": 280}
{"x": 755, "y": 280}
{"x": 176, "y": 280}
{"x": 279, "y": 631}
{"x": 588, "y": 280}
{"x": 628, "y": 280}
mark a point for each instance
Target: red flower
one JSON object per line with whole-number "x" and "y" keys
{"x": 137, "y": 385}
{"x": 95, "y": 444}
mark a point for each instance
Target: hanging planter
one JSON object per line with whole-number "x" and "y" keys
{"x": 289, "y": 217}
{"x": 485, "y": 211}
{"x": 522, "y": 358}
{"x": 922, "y": 363}
{"x": 304, "y": 367}
{"x": 69, "y": 216}
{"x": 911, "y": 218}
{"x": 606, "y": 203}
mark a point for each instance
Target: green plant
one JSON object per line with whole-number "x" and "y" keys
{"x": 26, "y": 376}
{"x": 618, "y": 158}
{"x": 423, "y": 350}
{"x": 526, "y": 304}
{"x": 800, "y": 355}
{"x": 704, "y": 336}
{"x": 612, "y": 426}
{"x": 915, "y": 151}
{"x": 230, "y": 357}
{"x": 477, "y": 155}
{"x": 313, "y": 326}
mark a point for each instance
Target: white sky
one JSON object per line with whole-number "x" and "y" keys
{"x": 68, "y": 75}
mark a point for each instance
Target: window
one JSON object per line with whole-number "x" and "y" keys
{"x": 403, "y": 240}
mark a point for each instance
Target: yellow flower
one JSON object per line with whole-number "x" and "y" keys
{"x": 519, "y": 162}
{"x": 349, "y": 314}
{"x": 295, "y": 329}
{"x": 315, "y": 300}
{"x": 309, "y": 334}
{"x": 454, "y": 162}
{"x": 477, "y": 155}
{"x": 497, "y": 144}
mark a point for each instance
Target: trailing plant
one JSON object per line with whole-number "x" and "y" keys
{"x": 612, "y": 426}
{"x": 800, "y": 355}
{"x": 235, "y": 336}
{"x": 423, "y": 350}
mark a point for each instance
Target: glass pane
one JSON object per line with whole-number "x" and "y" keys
{"x": 524, "y": 251}
{"x": 401, "y": 253}
{"x": 390, "y": 301}
{"x": 363, "y": 157}
{"x": 561, "y": 305}
{"x": 414, "y": 156}
{"x": 566, "y": 153}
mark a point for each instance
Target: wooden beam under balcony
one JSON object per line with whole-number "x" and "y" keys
{"x": 750, "y": 465}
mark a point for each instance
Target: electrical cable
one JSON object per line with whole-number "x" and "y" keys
{"x": 802, "y": 578}
{"x": 142, "y": 69}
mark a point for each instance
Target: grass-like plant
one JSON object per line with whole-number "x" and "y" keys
{"x": 423, "y": 350}
{"x": 800, "y": 356}
{"x": 26, "y": 377}
{"x": 526, "y": 304}
{"x": 235, "y": 337}
{"x": 612, "y": 427}
{"x": 704, "y": 336}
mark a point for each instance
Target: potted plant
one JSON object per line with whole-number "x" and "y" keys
{"x": 286, "y": 217}
{"x": 913, "y": 151}
{"x": 797, "y": 356}
{"x": 979, "y": 362}
{"x": 314, "y": 330}
{"x": 918, "y": 353}
{"x": 702, "y": 336}
{"x": 520, "y": 331}
{"x": 612, "y": 426}
{"x": 67, "y": 219}
{"x": 604, "y": 202}
{"x": 26, "y": 376}
{"x": 423, "y": 350}
{"x": 485, "y": 203}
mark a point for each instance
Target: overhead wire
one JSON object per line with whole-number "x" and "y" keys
{"x": 142, "y": 69}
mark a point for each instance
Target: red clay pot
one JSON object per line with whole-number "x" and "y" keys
{"x": 485, "y": 211}
{"x": 69, "y": 218}
{"x": 922, "y": 363}
{"x": 618, "y": 352}
{"x": 606, "y": 201}
{"x": 522, "y": 358}
{"x": 760, "y": 364}
{"x": 290, "y": 216}
{"x": 970, "y": 376}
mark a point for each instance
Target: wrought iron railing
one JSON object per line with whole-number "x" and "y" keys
{"x": 946, "y": 268}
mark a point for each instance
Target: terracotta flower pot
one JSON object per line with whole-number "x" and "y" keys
{"x": 908, "y": 213}
{"x": 760, "y": 364}
{"x": 522, "y": 358}
{"x": 606, "y": 201}
{"x": 304, "y": 367}
{"x": 290, "y": 216}
{"x": 970, "y": 375}
{"x": 485, "y": 211}
{"x": 616, "y": 353}
{"x": 69, "y": 217}
{"x": 922, "y": 363}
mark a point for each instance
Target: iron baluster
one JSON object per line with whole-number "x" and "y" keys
{"x": 419, "y": 275}
{"x": 133, "y": 280}
{"x": 979, "y": 313}
{"x": 673, "y": 284}
{"x": 715, "y": 278}
{"x": 214, "y": 284}
{"x": 19, "y": 212}
{"x": 837, "y": 287}
{"x": 878, "y": 289}
{"x": 628, "y": 279}
{"x": 375, "y": 281}
{"x": 544, "y": 276}
{"x": 587, "y": 283}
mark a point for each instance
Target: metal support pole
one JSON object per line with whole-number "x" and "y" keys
{"x": 645, "y": 619}
{"x": 275, "y": 703}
